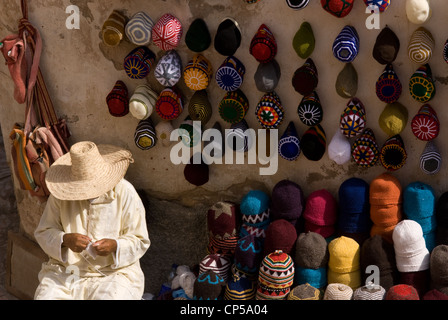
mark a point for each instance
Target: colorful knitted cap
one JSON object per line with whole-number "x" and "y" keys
{"x": 418, "y": 11}
{"x": 386, "y": 47}
{"x": 269, "y": 111}
{"x": 344, "y": 255}
{"x": 168, "y": 70}
{"x": 339, "y": 148}
{"x": 289, "y": 143}
{"x": 248, "y": 254}
{"x": 277, "y": 270}
{"x": 198, "y": 73}
{"x": 263, "y": 45}
{"x": 346, "y": 44}
{"x": 425, "y": 125}
{"x": 138, "y": 29}
{"x": 310, "y": 110}
{"x": 338, "y": 291}
{"x": 145, "y": 136}
{"x": 199, "y": 107}
{"x": 118, "y": 100}
{"x": 421, "y": 46}
{"x": 311, "y": 251}
{"x": 365, "y": 150}
{"x": 217, "y": 263}
{"x": 430, "y": 159}
{"x": 142, "y": 102}
{"x": 197, "y": 173}
{"x": 305, "y": 78}
{"x": 393, "y": 153}
{"x": 368, "y": 293}
{"x": 388, "y": 86}
{"x": 197, "y": 37}
{"x": 208, "y": 286}
{"x": 347, "y": 81}
{"x": 304, "y": 41}
{"x": 254, "y": 205}
{"x": 222, "y": 220}
{"x": 139, "y": 62}
{"x": 314, "y": 143}
{"x": 304, "y": 292}
{"x": 228, "y": 37}
{"x": 167, "y": 32}
{"x": 287, "y": 200}
{"x": 267, "y": 76}
{"x": 230, "y": 74}
{"x": 385, "y": 190}
{"x": 421, "y": 84}
{"x": 233, "y": 106}
{"x": 222, "y": 246}
{"x": 240, "y": 288}
{"x": 113, "y": 29}
{"x": 280, "y": 235}
{"x": 338, "y": 8}
{"x": 297, "y": 4}
{"x": 321, "y": 208}
{"x": 402, "y": 292}
{"x": 418, "y": 200}
{"x": 381, "y": 4}
{"x": 353, "y": 119}
{"x": 169, "y": 104}
{"x": 393, "y": 118}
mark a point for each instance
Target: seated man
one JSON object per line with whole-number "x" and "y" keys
{"x": 93, "y": 227}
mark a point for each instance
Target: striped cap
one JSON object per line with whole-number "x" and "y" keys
{"x": 338, "y": 291}
{"x": 138, "y": 29}
{"x": 222, "y": 246}
{"x": 113, "y": 29}
{"x": 199, "y": 107}
{"x": 297, "y": 4}
{"x": 314, "y": 143}
{"x": 169, "y": 104}
{"x": 139, "y": 62}
{"x": 310, "y": 110}
{"x": 263, "y": 45}
{"x": 145, "y": 136}
{"x": 421, "y": 84}
{"x": 197, "y": 73}
{"x": 421, "y": 46}
{"x": 240, "y": 288}
{"x": 430, "y": 159}
{"x": 248, "y": 254}
{"x": 346, "y": 44}
{"x": 118, "y": 100}
{"x": 142, "y": 102}
{"x": 167, "y": 32}
{"x": 217, "y": 263}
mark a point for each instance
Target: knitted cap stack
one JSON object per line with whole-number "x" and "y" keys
{"x": 381, "y": 253}
{"x": 254, "y": 208}
{"x": 385, "y": 194}
{"x": 247, "y": 257}
{"x": 304, "y": 292}
{"x": 411, "y": 255}
{"x": 280, "y": 235}
{"x": 344, "y": 262}
{"x": 338, "y": 291}
{"x": 354, "y": 210}
{"x": 311, "y": 260}
{"x": 438, "y": 270}
{"x": 369, "y": 293}
{"x": 287, "y": 201}
{"x": 419, "y": 205}
{"x": 320, "y": 213}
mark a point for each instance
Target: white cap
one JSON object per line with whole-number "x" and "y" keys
{"x": 418, "y": 11}
{"x": 339, "y": 149}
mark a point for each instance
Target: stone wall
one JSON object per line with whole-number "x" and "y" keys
{"x": 80, "y": 71}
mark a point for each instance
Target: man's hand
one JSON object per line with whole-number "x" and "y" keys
{"x": 75, "y": 241}
{"x": 105, "y": 246}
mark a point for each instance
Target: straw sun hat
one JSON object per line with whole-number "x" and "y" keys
{"x": 87, "y": 171}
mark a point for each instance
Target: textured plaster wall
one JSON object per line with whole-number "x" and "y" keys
{"x": 80, "y": 71}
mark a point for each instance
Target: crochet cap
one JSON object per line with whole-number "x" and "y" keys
{"x": 139, "y": 62}
{"x": 248, "y": 254}
{"x": 425, "y": 124}
{"x": 118, "y": 100}
{"x": 222, "y": 220}
{"x": 402, "y": 292}
{"x": 263, "y": 46}
{"x": 314, "y": 143}
{"x": 113, "y": 29}
{"x": 297, "y": 4}
{"x": 369, "y": 293}
{"x": 145, "y": 136}
{"x": 386, "y": 47}
{"x": 168, "y": 70}
{"x": 267, "y": 76}
{"x": 217, "y": 263}
{"x": 418, "y": 11}
{"x": 338, "y": 8}
{"x": 310, "y": 109}
{"x": 338, "y": 291}
{"x": 240, "y": 288}
{"x": 393, "y": 118}
{"x": 233, "y": 106}
{"x": 353, "y": 119}
{"x": 304, "y": 41}
{"x": 197, "y": 37}
{"x": 208, "y": 286}
{"x": 393, "y": 153}
{"x": 388, "y": 86}
{"x": 289, "y": 143}
{"x": 347, "y": 81}
{"x": 167, "y": 32}
{"x": 305, "y": 78}
{"x": 304, "y": 292}
{"x": 346, "y": 44}
{"x": 169, "y": 104}
{"x": 230, "y": 74}
{"x": 421, "y": 46}
{"x": 339, "y": 148}
{"x": 287, "y": 200}
{"x": 199, "y": 107}
{"x": 365, "y": 150}
{"x": 421, "y": 84}
{"x": 142, "y": 102}
{"x": 228, "y": 37}
{"x": 381, "y": 4}
{"x": 269, "y": 111}
{"x": 430, "y": 159}
{"x": 197, "y": 73}
{"x": 138, "y": 29}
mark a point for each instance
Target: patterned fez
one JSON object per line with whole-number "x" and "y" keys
{"x": 167, "y": 32}
{"x": 139, "y": 62}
